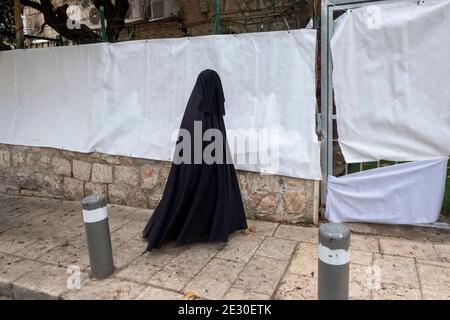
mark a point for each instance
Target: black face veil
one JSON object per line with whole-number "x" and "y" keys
{"x": 212, "y": 98}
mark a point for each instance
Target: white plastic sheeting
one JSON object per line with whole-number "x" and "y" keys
{"x": 400, "y": 194}
{"x": 128, "y": 98}
{"x": 391, "y": 70}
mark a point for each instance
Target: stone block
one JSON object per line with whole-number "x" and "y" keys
{"x": 95, "y": 188}
{"x": 294, "y": 202}
{"x": 149, "y": 176}
{"x": 102, "y": 173}
{"x": 62, "y": 167}
{"x": 5, "y": 161}
{"x": 73, "y": 189}
{"x": 45, "y": 161}
{"x": 81, "y": 170}
{"x": 18, "y": 156}
{"x": 126, "y": 195}
{"x": 126, "y": 175}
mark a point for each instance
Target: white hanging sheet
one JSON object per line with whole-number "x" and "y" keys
{"x": 128, "y": 98}
{"x": 406, "y": 193}
{"x": 391, "y": 78}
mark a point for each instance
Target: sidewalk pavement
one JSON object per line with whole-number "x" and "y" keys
{"x": 42, "y": 246}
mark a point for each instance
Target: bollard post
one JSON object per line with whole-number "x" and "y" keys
{"x": 95, "y": 216}
{"x": 334, "y": 259}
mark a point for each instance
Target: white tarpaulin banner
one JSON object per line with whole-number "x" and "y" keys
{"x": 128, "y": 98}
{"x": 406, "y": 193}
{"x": 391, "y": 70}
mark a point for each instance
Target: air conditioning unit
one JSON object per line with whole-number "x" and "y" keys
{"x": 135, "y": 11}
{"x": 89, "y": 16}
{"x": 158, "y": 9}
{"x": 92, "y": 19}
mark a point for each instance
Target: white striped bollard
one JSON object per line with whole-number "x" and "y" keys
{"x": 95, "y": 216}
{"x": 334, "y": 259}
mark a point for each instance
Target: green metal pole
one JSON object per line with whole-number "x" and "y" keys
{"x": 217, "y": 17}
{"x": 102, "y": 22}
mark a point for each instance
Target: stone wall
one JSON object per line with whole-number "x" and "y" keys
{"x": 60, "y": 174}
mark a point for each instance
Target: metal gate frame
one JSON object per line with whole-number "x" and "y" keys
{"x": 326, "y": 116}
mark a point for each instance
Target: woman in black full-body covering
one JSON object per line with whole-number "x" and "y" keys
{"x": 201, "y": 202}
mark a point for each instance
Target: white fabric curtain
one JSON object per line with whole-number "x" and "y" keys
{"x": 128, "y": 98}
{"x": 406, "y": 193}
{"x": 391, "y": 70}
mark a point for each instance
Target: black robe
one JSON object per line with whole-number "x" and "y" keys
{"x": 201, "y": 202}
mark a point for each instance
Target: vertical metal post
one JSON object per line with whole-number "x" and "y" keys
{"x": 95, "y": 216}
{"x": 18, "y": 23}
{"x": 334, "y": 260}
{"x": 102, "y": 24}
{"x": 217, "y": 17}
{"x": 324, "y": 101}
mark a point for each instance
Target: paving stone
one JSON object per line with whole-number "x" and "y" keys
{"x": 107, "y": 289}
{"x": 358, "y": 291}
{"x": 53, "y": 230}
{"x": 162, "y": 257}
{"x": 297, "y": 233}
{"x": 216, "y": 278}
{"x": 297, "y": 287}
{"x": 239, "y": 294}
{"x": 395, "y": 292}
{"x": 119, "y": 212}
{"x": 261, "y": 275}
{"x": 13, "y": 245}
{"x": 142, "y": 215}
{"x": 126, "y": 251}
{"x": 362, "y": 276}
{"x": 68, "y": 253}
{"x": 170, "y": 279}
{"x": 396, "y": 270}
{"x": 443, "y": 251}
{"x": 435, "y": 280}
{"x": 276, "y": 248}
{"x": 407, "y": 248}
{"x": 116, "y": 224}
{"x": 178, "y": 273}
{"x": 361, "y": 257}
{"x": 44, "y": 279}
{"x": 364, "y": 243}
{"x": 140, "y": 270}
{"x": 262, "y": 228}
{"x": 131, "y": 230}
{"x": 11, "y": 268}
{"x": 151, "y": 293}
{"x": 40, "y": 247}
{"x": 304, "y": 261}
{"x": 433, "y": 263}
{"x": 240, "y": 247}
